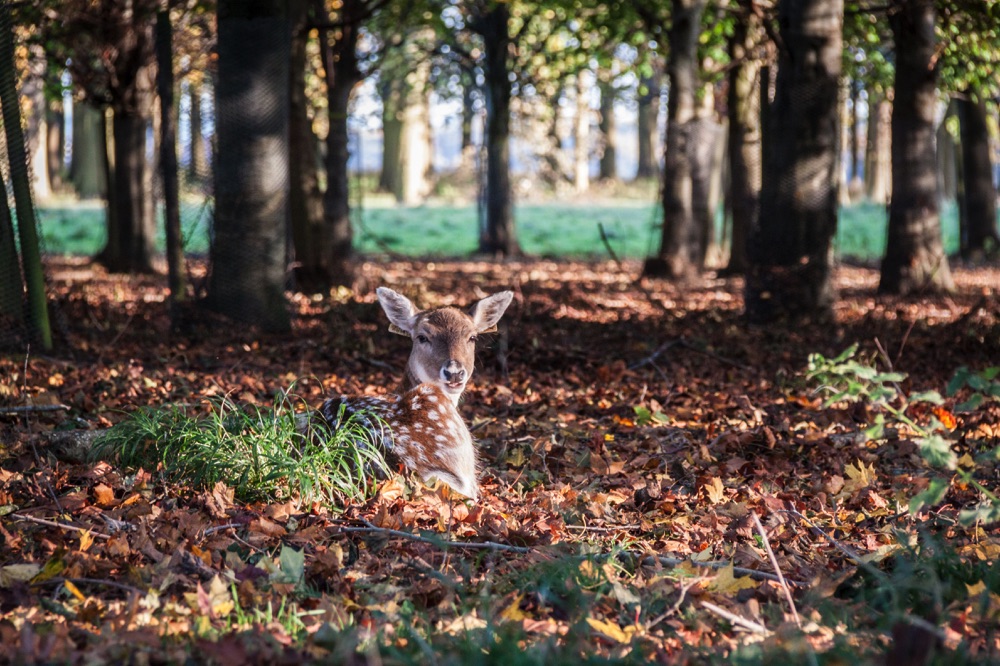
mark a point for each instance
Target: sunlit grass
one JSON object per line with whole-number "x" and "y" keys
{"x": 557, "y": 229}
{"x": 263, "y": 453}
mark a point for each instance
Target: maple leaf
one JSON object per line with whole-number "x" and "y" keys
{"x": 858, "y": 476}
{"x": 715, "y": 490}
{"x": 726, "y": 582}
{"x": 611, "y": 630}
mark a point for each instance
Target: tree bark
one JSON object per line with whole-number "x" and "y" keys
{"x": 878, "y": 166}
{"x": 31, "y": 258}
{"x": 304, "y": 197}
{"x": 55, "y": 143}
{"x": 87, "y": 168}
{"x": 11, "y": 284}
{"x": 342, "y": 75}
{"x": 647, "y": 129}
{"x": 791, "y": 245}
{"x": 131, "y": 226}
{"x": 498, "y": 238}
{"x": 609, "y": 162}
{"x": 914, "y": 255}
{"x": 198, "y": 164}
{"x": 744, "y": 137}
{"x": 248, "y": 251}
{"x": 977, "y": 206}
{"x": 581, "y": 134}
{"x": 681, "y": 251}
{"x": 168, "y": 160}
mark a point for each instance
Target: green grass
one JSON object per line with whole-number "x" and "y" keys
{"x": 261, "y": 453}
{"x": 555, "y": 229}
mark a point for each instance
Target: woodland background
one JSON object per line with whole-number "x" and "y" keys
{"x": 744, "y": 407}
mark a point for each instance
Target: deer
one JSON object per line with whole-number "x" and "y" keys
{"x": 426, "y": 433}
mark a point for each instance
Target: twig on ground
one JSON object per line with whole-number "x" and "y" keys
{"x": 592, "y": 528}
{"x": 472, "y": 545}
{"x": 31, "y": 409}
{"x": 651, "y": 359}
{"x": 685, "y": 586}
{"x": 753, "y": 573}
{"x": 93, "y": 581}
{"x": 736, "y": 619}
{"x": 219, "y": 528}
{"x": 777, "y": 569}
{"x": 846, "y": 550}
{"x": 64, "y": 526}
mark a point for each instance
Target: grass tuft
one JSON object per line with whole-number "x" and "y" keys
{"x": 264, "y": 454}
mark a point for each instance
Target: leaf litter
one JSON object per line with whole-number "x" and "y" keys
{"x": 628, "y": 434}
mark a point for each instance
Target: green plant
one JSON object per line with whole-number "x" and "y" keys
{"x": 851, "y": 380}
{"x": 262, "y": 453}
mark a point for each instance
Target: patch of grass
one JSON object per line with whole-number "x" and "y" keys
{"x": 551, "y": 229}
{"x": 264, "y": 454}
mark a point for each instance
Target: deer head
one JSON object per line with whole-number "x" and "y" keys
{"x": 444, "y": 339}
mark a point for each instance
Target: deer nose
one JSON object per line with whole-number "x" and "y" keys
{"x": 453, "y": 372}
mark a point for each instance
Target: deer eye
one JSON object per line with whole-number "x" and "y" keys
{"x": 422, "y": 339}
{"x": 472, "y": 338}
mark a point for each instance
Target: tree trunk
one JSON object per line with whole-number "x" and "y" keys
{"x": 391, "y": 91}
{"x": 609, "y": 162}
{"x": 854, "y": 162}
{"x": 648, "y": 129}
{"x": 36, "y": 131}
{"x": 11, "y": 284}
{"x": 168, "y": 161}
{"x": 198, "y": 164}
{"x": 914, "y": 255}
{"x": 745, "y": 160}
{"x": 878, "y": 166}
{"x": 978, "y": 209}
{"x": 791, "y": 246}
{"x": 581, "y": 134}
{"x": 468, "y": 89}
{"x": 131, "y": 227}
{"x": 55, "y": 143}
{"x": 681, "y": 251}
{"x": 31, "y": 258}
{"x": 305, "y": 200}
{"x": 498, "y": 238}
{"x": 342, "y": 75}
{"x": 248, "y": 251}
{"x": 406, "y": 157}
{"x": 89, "y": 155}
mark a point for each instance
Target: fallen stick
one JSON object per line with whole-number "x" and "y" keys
{"x": 31, "y": 409}
{"x": 736, "y": 619}
{"x": 777, "y": 569}
{"x": 64, "y": 526}
{"x": 474, "y": 545}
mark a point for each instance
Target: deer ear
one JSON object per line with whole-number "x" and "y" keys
{"x": 399, "y": 310}
{"x": 487, "y": 312}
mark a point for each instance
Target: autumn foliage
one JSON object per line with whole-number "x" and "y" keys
{"x": 661, "y": 482}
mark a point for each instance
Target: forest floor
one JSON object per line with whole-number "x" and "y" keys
{"x": 631, "y": 434}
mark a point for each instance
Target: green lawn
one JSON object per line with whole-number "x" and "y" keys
{"x": 559, "y": 230}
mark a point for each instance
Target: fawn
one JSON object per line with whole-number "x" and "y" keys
{"x": 426, "y": 432}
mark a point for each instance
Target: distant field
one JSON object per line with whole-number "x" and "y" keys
{"x": 550, "y": 229}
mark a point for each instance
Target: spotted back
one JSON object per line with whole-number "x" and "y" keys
{"x": 420, "y": 429}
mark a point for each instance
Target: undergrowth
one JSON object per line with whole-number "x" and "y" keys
{"x": 262, "y": 453}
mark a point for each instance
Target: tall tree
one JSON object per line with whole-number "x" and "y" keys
{"x": 168, "y": 158}
{"x": 647, "y": 126}
{"x": 608, "y": 127}
{"x": 248, "y": 251}
{"x": 108, "y": 49}
{"x": 681, "y": 250}
{"x": 744, "y": 139}
{"x": 978, "y": 235}
{"x": 498, "y": 237}
{"x": 791, "y": 247}
{"x": 31, "y": 258}
{"x": 914, "y": 255}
